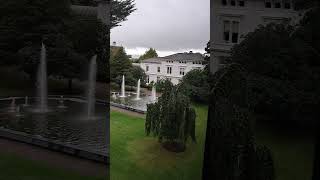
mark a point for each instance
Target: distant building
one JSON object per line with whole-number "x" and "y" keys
{"x": 232, "y": 19}
{"x": 172, "y": 67}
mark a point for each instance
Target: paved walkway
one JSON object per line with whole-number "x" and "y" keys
{"x": 54, "y": 159}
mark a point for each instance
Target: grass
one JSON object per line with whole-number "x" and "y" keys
{"x": 135, "y": 156}
{"x": 18, "y": 168}
{"x": 292, "y": 154}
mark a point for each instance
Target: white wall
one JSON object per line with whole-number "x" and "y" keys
{"x": 174, "y": 76}
{"x": 249, "y": 16}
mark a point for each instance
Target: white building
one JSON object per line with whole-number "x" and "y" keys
{"x": 231, "y": 20}
{"x": 172, "y": 67}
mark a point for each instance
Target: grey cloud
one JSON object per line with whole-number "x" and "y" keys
{"x": 167, "y": 25}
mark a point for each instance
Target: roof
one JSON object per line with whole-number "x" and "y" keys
{"x": 185, "y": 57}
{"x": 156, "y": 60}
{"x": 177, "y": 57}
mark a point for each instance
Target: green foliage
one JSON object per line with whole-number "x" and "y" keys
{"x": 25, "y": 25}
{"x": 119, "y": 64}
{"x": 196, "y": 85}
{"x": 151, "y": 53}
{"x": 136, "y": 72}
{"x": 230, "y": 145}
{"x": 120, "y": 10}
{"x": 171, "y": 119}
{"x": 262, "y": 163}
{"x": 283, "y": 70}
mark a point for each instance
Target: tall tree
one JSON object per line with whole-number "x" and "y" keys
{"x": 171, "y": 119}
{"x": 151, "y": 53}
{"x": 120, "y": 9}
{"x": 119, "y": 64}
{"x": 307, "y": 33}
{"x": 230, "y": 150}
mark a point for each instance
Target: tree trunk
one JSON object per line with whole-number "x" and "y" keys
{"x": 70, "y": 85}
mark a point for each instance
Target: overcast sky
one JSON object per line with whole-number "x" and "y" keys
{"x": 169, "y": 26}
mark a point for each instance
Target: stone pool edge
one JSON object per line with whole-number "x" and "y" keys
{"x": 129, "y": 108}
{"x": 53, "y": 145}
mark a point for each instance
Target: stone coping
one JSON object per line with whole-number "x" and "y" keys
{"x": 129, "y": 108}
{"x": 54, "y": 145}
{"x": 79, "y": 99}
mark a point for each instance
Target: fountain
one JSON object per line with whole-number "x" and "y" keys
{"x": 12, "y": 107}
{"x": 18, "y": 111}
{"x": 92, "y": 87}
{"x": 138, "y": 91}
{"x": 61, "y": 103}
{"x": 123, "y": 86}
{"x": 154, "y": 94}
{"x": 26, "y": 102}
{"x": 42, "y": 82}
{"x": 114, "y": 96}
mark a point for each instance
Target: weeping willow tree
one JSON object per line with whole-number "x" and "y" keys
{"x": 171, "y": 119}
{"x": 230, "y": 150}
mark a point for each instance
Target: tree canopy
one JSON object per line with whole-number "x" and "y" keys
{"x": 25, "y": 25}
{"x": 171, "y": 119}
{"x": 120, "y": 10}
{"x": 282, "y": 72}
{"x": 151, "y": 53}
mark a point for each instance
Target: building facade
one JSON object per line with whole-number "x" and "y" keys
{"x": 231, "y": 20}
{"x": 172, "y": 67}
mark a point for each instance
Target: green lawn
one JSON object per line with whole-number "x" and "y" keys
{"x": 135, "y": 156}
{"x": 17, "y": 168}
{"x": 292, "y": 154}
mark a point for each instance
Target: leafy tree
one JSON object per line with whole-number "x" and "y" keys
{"x": 171, "y": 119}
{"x": 230, "y": 150}
{"x": 138, "y": 73}
{"x": 120, "y": 10}
{"x": 25, "y": 25}
{"x": 282, "y": 74}
{"x": 151, "y": 53}
{"x": 196, "y": 85}
{"x": 119, "y": 64}
{"x": 307, "y": 33}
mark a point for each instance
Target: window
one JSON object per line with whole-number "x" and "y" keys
{"x": 147, "y": 68}
{"x": 158, "y": 78}
{"x": 226, "y": 31}
{"x": 233, "y": 2}
{"x": 287, "y": 4}
{"x": 235, "y": 32}
{"x": 230, "y": 33}
{"x": 241, "y": 3}
{"x": 169, "y": 70}
{"x": 148, "y": 79}
{"x": 277, "y": 4}
{"x": 159, "y": 70}
{"x": 268, "y": 4}
{"x": 224, "y": 2}
{"x": 182, "y": 71}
